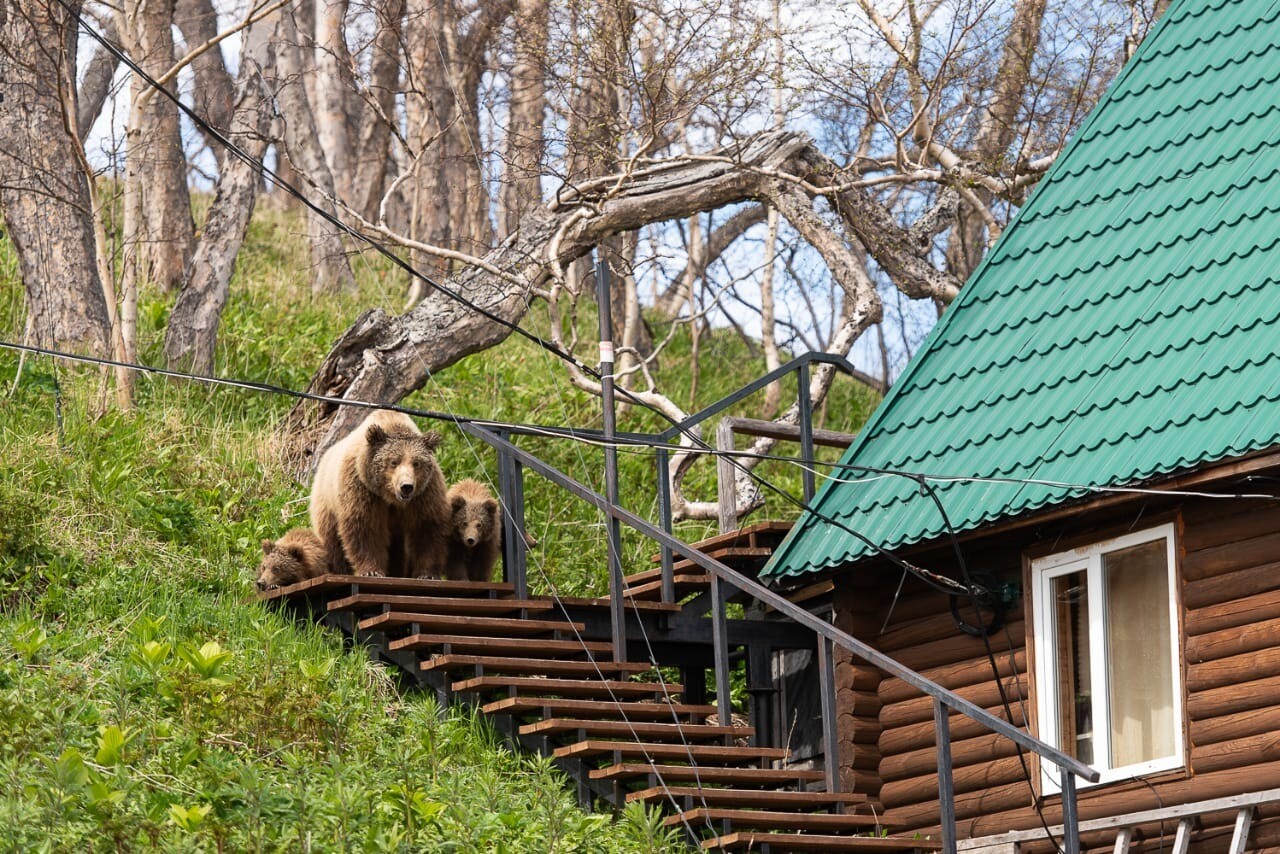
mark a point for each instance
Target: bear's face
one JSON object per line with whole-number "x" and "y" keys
{"x": 401, "y": 466}
{"x": 474, "y": 520}
{"x": 282, "y": 564}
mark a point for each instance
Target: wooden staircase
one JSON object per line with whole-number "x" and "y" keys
{"x": 542, "y": 671}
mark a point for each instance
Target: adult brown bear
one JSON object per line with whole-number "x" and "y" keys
{"x": 378, "y": 500}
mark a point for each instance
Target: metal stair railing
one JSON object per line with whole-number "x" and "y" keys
{"x": 946, "y": 702}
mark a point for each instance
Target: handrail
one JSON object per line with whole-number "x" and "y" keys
{"x": 784, "y": 606}
{"x": 751, "y": 388}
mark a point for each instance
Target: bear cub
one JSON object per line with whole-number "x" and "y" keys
{"x": 378, "y": 500}
{"x": 475, "y": 540}
{"x": 296, "y": 556}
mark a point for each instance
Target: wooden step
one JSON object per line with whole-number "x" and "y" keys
{"x": 684, "y": 585}
{"x": 830, "y": 822}
{"x": 514, "y": 647}
{"x": 763, "y": 798}
{"x": 380, "y": 584}
{"x": 736, "y": 776}
{"x": 817, "y": 842}
{"x": 542, "y": 666}
{"x": 760, "y": 535}
{"x": 730, "y": 555}
{"x": 599, "y": 688}
{"x": 467, "y": 625}
{"x": 440, "y": 604}
{"x": 698, "y": 753}
{"x": 635, "y": 729}
{"x": 632, "y": 711}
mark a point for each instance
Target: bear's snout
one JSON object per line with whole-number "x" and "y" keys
{"x": 471, "y": 540}
{"x": 406, "y": 491}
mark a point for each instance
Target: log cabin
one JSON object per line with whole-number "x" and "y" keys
{"x": 1065, "y": 510}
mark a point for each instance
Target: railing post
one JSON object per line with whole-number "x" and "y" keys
{"x": 514, "y": 547}
{"x": 946, "y": 785}
{"x": 1070, "y": 818}
{"x": 664, "y": 521}
{"x": 726, "y": 477}
{"x": 613, "y": 529}
{"x": 806, "y": 430}
{"x": 830, "y": 735}
{"x": 720, "y": 648}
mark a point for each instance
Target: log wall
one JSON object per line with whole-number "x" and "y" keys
{"x": 1229, "y": 584}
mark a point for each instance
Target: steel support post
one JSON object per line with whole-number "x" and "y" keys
{"x": 830, "y": 736}
{"x": 613, "y": 529}
{"x": 806, "y": 430}
{"x": 664, "y": 521}
{"x": 946, "y": 781}
{"x": 720, "y": 648}
{"x": 1070, "y": 816}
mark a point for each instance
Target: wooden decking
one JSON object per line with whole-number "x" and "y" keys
{"x": 539, "y": 669}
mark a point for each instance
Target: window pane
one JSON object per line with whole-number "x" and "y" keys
{"x": 1071, "y": 619}
{"x": 1138, "y": 654}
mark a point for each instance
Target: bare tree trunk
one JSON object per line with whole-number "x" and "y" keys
{"x": 213, "y": 91}
{"x": 333, "y": 84}
{"x": 375, "y": 129}
{"x": 522, "y": 187}
{"x": 192, "y": 333}
{"x": 157, "y": 163}
{"x": 43, "y": 191}
{"x": 330, "y": 270}
{"x": 96, "y": 83}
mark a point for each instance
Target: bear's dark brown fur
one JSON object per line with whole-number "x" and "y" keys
{"x": 296, "y": 556}
{"x": 378, "y": 500}
{"x": 476, "y": 537}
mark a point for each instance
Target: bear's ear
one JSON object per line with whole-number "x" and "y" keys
{"x": 267, "y": 546}
{"x": 491, "y": 507}
{"x": 295, "y": 552}
{"x": 458, "y": 503}
{"x": 375, "y": 435}
{"x": 430, "y": 440}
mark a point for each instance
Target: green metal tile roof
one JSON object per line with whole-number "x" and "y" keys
{"x": 1125, "y": 326}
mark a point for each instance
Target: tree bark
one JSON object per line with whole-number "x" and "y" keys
{"x": 373, "y": 156}
{"x": 192, "y": 333}
{"x": 522, "y": 187}
{"x": 165, "y": 230}
{"x": 96, "y": 83}
{"x": 334, "y": 83}
{"x": 44, "y": 194}
{"x": 213, "y": 92}
{"x": 330, "y": 270}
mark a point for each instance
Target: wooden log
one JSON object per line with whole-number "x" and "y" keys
{"x": 1217, "y": 687}
{"x": 1234, "y": 612}
{"x": 1235, "y": 726}
{"x": 1241, "y": 554}
{"x": 1004, "y": 808}
{"x": 1232, "y": 585}
{"x": 956, "y": 676}
{"x": 957, "y": 647}
{"x": 931, "y": 627}
{"x": 969, "y": 751}
{"x": 914, "y": 606}
{"x": 1236, "y": 753}
{"x": 1205, "y": 529}
{"x": 921, "y": 708}
{"x": 1233, "y": 641}
{"x": 970, "y": 778}
{"x": 920, "y": 736}
{"x": 857, "y": 677}
{"x": 858, "y": 729}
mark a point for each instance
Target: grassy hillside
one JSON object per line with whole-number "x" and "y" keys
{"x": 147, "y": 701}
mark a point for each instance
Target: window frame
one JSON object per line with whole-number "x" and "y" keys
{"x": 1089, "y": 558}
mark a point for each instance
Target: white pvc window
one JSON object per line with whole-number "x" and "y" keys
{"x": 1108, "y": 677}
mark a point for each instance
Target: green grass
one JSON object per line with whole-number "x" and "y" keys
{"x": 127, "y": 541}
